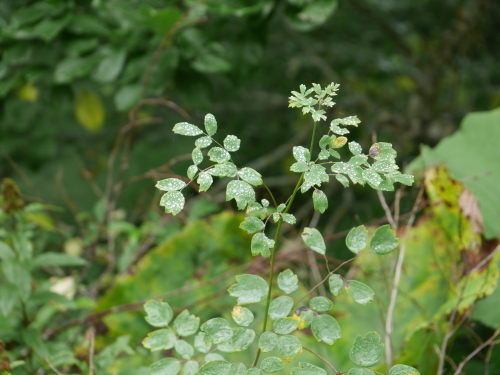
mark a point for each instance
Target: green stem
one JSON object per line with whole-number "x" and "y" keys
{"x": 276, "y": 240}
{"x": 270, "y": 193}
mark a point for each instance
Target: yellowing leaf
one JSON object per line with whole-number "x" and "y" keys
{"x": 89, "y": 110}
{"x": 28, "y": 92}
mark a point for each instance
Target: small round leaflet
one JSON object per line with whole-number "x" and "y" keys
{"x": 217, "y": 330}
{"x": 313, "y": 238}
{"x": 367, "y": 350}
{"x": 186, "y": 324}
{"x": 161, "y": 339}
{"x": 320, "y": 304}
{"x": 307, "y": 369}
{"x": 190, "y": 368}
{"x": 384, "y": 240}
{"x": 215, "y": 368}
{"x": 249, "y": 289}
{"x": 336, "y": 283}
{"x": 360, "y": 371}
{"x": 272, "y": 364}
{"x": 325, "y": 328}
{"x": 288, "y": 281}
{"x": 280, "y": 307}
{"x": 289, "y": 347}
{"x": 359, "y": 292}
{"x": 268, "y": 341}
{"x": 184, "y": 349}
{"x": 357, "y": 239}
{"x": 158, "y": 313}
{"x": 284, "y": 326}
{"x": 403, "y": 370}
{"x": 242, "y": 316}
{"x": 166, "y": 366}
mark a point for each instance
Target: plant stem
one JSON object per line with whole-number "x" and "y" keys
{"x": 276, "y": 240}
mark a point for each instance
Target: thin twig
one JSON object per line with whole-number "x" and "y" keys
{"x": 91, "y": 350}
{"x": 324, "y": 360}
{"x": 387, "y": 210}
{"x": 477, "y": 350}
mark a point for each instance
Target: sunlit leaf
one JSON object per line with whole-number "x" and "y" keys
{"x": 238, "y": 369}
{"x": 313, "y": 238}
{"x": 280, "y": 307}
{"x": 242, "y": 316}
{"x": 268, "y": 341}
{"x": 217, "y": 330}
{"x": 288, "y": 281}
{"x": 326, "y": 329}
{"x": 359, "y": 292}
{"x": 357, "y": 239}
{"x": 249, "y": 289}
{"x": 367, "y": 350}
{"x": 158, "y": 313}
{"x": 197, "y": 156}
{"x": 384, "y": 240}
{"x": 272, "y": 364}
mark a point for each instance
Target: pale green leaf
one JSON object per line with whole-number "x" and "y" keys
{"x": 326, "y": 329}
{"x": 384, "y": 240}
{"x": 253, "y": 371}
{"x": 384, "y": 166}
{"x": 272, "y": 364}
{"x": 289, "y": 347}
{"x": 190, "y": 368}
{"x": 324, "y": 141}
{"x": 184, "y": 349}
{"x": 313, "y": 238}
{"x": 405, "y": 179}
{"x": 242, "y": 316}
{"x": 289, "y": 218}
{"x": 227, "y": 169}
{"x": 372, "y": 177}
{"x": 367, "y": 350}
{"x": 336, "y": 283}
{"x": 184, "y": 128}
{"x": 210, "y": 357}
{"x": 240, "y": 191}
{"x": 203, "y": 142}
{"x": 192, "y": 170}
{"x": 170, "y": 184}
{"x": 359, "y": 292}
{"x": 301, "y": 154}
{"x": 403, "y": 370}
{"x": 355, "y": 148}
{"x": 300, "y": 166}
{"x": 284, "y": 326}
{"x": 320, "y": 304}
{"x": 316, "y": 175}
{"x": 320, "y": 201}
{"x": 334, "y": 153}
{"x": 342, "y": 179}
{"x": 288, "y": 282}
{"x": 306, "y": 316}
{"x": 161, "y": 339}
{"x": 218, "y": 155}
{"x": 360, "y": 371}
{"x": 215, "y": 368}
{"x": 197, "y": 156}
{"x": 252, "y": 224}
{"x": 242, "y": 339}
{"x": 232, "y": 143}
{"x": 217, "y": 330}
{"x": 265, "y": 203}
{"x": 323, "y": 155}
{"x": 341, "y": 167}
{"x": 307, "y": 369}
{"x": 205, "y": 180}
{"x": 280, "y": 207}
{"x": 249, "y": 289}
{"x": 251, "y": 176}
{"x": 173, "y": 201}
{"x": 261, "y": 244}
{"x": 210, "y": 124}
{"x": 356, "y": 175}
{"x": 280, "y": 307}
{"x": 158, "y": 313}
{"x": 357, "y": 239}
{"x": 238, "y": 369}
{"x": 200, "y": 344}
{"x": 268, "y": 341}
{"x": 358, "y": 160}
{"x": 165, "y": 366}
{"x": 186, "y": 324}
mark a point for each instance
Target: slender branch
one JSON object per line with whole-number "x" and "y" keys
{"x": 387, "y": 210}
{"x": 270, "y": 194}
{"x": 324, "y": 360}
{"x": 397, "y": 279}
{"x": 477, "y": 350}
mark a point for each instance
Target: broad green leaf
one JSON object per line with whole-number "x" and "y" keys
{"x": 158, "y": 313}
{"x": 190, "y": 368}
{"x": 197, "y": 156}
{"x": 288, "y": 282}
{"x": 359, "y": 292}
{"x": 205, "y": 180}
{"x": 166, "y": 366}
{"x": 284, "y": 326}
{"x": 186, "y": 324}
{"x": 320, "y": 304}
{"x": 336, "y": 283}
{"x": 367, "y": 350}
{"x": 355, "y": 148}
{"x": 240, "y": 191}
{"x": 360, "y": 371}
{"x": 342, "y": 179}
{"x": 268, "y": 341}
{"x": 173, "y": 201}
{"x": 307, "y": 369}
{"x": 50, "y": 259}
{"x": 184, "y": 349}
{"x": 161, "y": 339}
{"x": 217, "y": 330}
{"x": 249, "y": 289}
{"x": 405, "y": 179}
{"x": 232, "y": 143}
{"x": 185, "y": 128}
{"x": 215, "y": 368}
{"x": 210, "y": 124}
{"x": 384, "y": 240}
{"x": 238, "y": 369}
{"x": 251, "y": 176}
{"x": 289, "y": 347}
{"x": 280, "y": 307}
{"x": 218, "y": 155}
{"x": 203, "y": 142}
{"x": 252, "y": 224}
{"x": 289, "y": 218}
{"x": 170, "y": 184}
{"x": 357, "y": 239}
{"x": 372, "y": 177}
{"x": 272, "y": 364}
{"x": 325, "y": 328}
{"x": 110, "y": 67}
{"x": 301, "y": 154}
{"x": 403, "y": 370}
{"x": 242, "y": 316}
{"x": 320, "y": 201}
{"x": 200, "y": 344}
{"x": 300, "y": 166}
{"x": 313, "y": 238}
{"x": 89, "y": 110}
{"x": 261, "y": 244}
{"x": 210, "y": 357}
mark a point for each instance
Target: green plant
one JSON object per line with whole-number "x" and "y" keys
{"x": 286, "y": 313}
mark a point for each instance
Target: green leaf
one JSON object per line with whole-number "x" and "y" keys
{"x": 240, "y": 191}
{"x": 210, "y": 357}
{"x": 272, "y": 364}
{"x": 334, "y": 153}
{"x": 161, "y": 339}
{"x": 288, "y": 282}
{"x": 251, "y": 176}
{"x": 357, "y": 239}
{"x": 301, "y": 154}
{"x": 192, "y": 170}
{"x": 170, "y": 184}
{"x": 210, "y": 124}
{"x": 284, "y": 326}
{"x": 356, "y": 175}
{"x": 316, "y": 175}
{"x": 203, "y": 142}
{"x": 280, "y": 307}
{"x": 384, "y": 166}
{"x": 320, "y": 304}
{"x": 71, "y": 68}
{"x": 223, "y": 170}
{"x": 241, "y": 340}
{"x": 218, "y": 155}
{"x": 197, "y": 156}
{"x": 249, "y": 289}
{"x": 268, "y": 341}
{"x": 238, "y": 369}
{"x": 190, "y": 368}
{"x": 158, "y": 313}
{"x": 48, "y": 28}
{"x": 325, "y": 328}
{"x": 50, "y": 259}
{"x": 217, "y": 330}
{"x": 320, "y": 201}
{"x": 126, "y": 97}
{"x": 360, "y": 371}
{"x": 242, "y": 316}
{"x": 367, "y": 350}
{"x": 205, "y": 180}
{"x": 405, "y": 179}
{"x": 252, "y": 224}
{"x": 185, "y": 128}
{"x": 289, "y": 347}
{"x": 300, "y": 166}
{"x": 110, "y": 67}
{"x": 307, "y": 369}
{"x": 186, "y": 324}
{"x": 359, "y": 292}
{"x": 215, "y": 368}
{"x": 313, "y": 238}
{"x": 336, "y": 283}
{"x": 173, "y": 201}
{"x": 403, "y": 370}
{"x": 184, "y": 349}
{"x": 165, "y": 366}
{"x": 355, "y": 148}
{"x": 261, "y": 244}
{"x": 89, "y": 110}
{"x": 253, "y": 371}
{"x": 305, "y": 315}
{"x": 289, "y": 218}
{"x": 342, "y": 179}
{"x": 200, "y": 344}
{"x": 232, "y": 143}
{"x": 358, "y": 160}
{"x": 372, "y": 177}
{"x": 384, "y": 240}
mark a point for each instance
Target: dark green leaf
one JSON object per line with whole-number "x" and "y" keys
{"x": 110, "y": 67}
{"x": 384, "y": 240}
